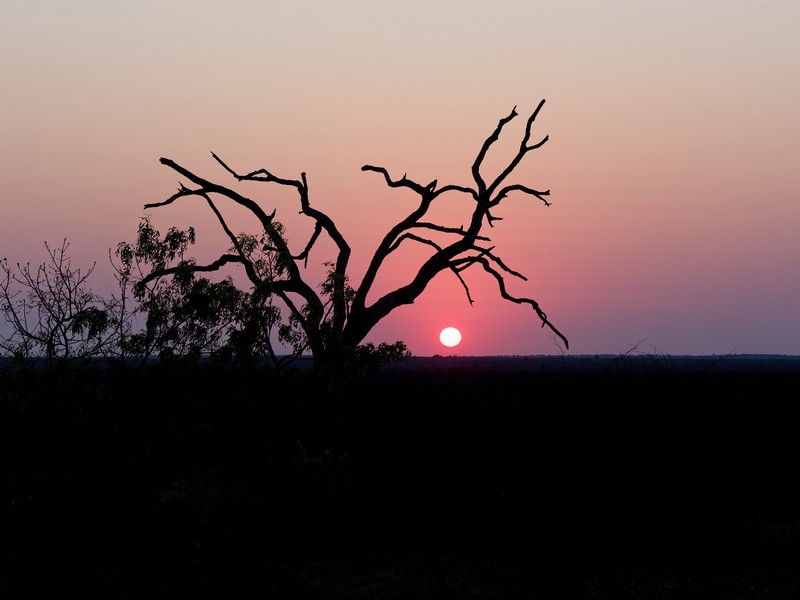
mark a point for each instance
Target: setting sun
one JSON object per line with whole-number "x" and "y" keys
{"x": 450, "y": 336}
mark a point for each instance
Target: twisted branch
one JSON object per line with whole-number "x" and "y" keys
{"x": 506, "y": 296}
{"x": 520, "y": 188}
{"x": 476, "y": 166}
{"x": 184, "y": 266}
{"x": 524, "y": 148}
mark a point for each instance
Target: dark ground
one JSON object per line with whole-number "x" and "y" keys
{"x": 631, "y": 478}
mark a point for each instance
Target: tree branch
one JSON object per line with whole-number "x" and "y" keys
{"x": 322, "y": 221}
{"x": 212, "y": 188}
{"x": 402, "y": 182}
{"x": 248, "y": 264}
{"x": 523, "y": 150}
{"x": 520, "y": 188}
{"x": 214, "y": 266}
{"x": 487, "y": 252}
{"x": 455, "y": 230}
{"x": 397, "y": 233}
{"x": 504, "y": 294}
{"x": 476, "y": 166}
{"x": 425, "y": 241}
{"x": 311, "y": 241}
{"x": 261, "y": 175}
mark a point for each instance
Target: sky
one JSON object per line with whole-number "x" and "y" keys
{"x": 673, "y": 157}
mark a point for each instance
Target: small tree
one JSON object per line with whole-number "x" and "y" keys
{"x": 52, "y": 312}
{"x": 186, "y": 316}
{"x": 333, "y": 321}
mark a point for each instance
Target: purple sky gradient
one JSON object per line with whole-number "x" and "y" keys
{"x": 673, "y": 160}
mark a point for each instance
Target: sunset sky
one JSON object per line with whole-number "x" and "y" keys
{"x": 673, "y": 160}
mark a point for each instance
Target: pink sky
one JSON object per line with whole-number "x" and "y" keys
{"x": 673, "y": 160}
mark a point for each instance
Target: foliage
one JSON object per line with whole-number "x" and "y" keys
{"x": 186, "y": 316}
{"x": 56, "y": 318}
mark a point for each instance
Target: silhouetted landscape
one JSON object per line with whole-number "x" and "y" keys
{"x": 226, "y": 226}
{"x": 438, "y": 477}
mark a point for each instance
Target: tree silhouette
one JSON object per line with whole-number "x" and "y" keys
{"x": 52, "y": 313}
{"x": 336, "y": 319}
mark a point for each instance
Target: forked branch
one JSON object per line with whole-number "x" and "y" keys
{"x": 506, "y": 296}
{"x": 453, "y": 256}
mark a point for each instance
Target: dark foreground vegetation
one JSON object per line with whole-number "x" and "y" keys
{"x": 448, "y": 482}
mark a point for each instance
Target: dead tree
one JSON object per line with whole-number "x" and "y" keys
{"x": 341, "y": 317}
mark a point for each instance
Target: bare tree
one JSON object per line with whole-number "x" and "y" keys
{"x": 52, "y": 312}
{"x": 338, "y": 318}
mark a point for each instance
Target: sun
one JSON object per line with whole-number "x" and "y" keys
{"x": 450, "y": 336}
